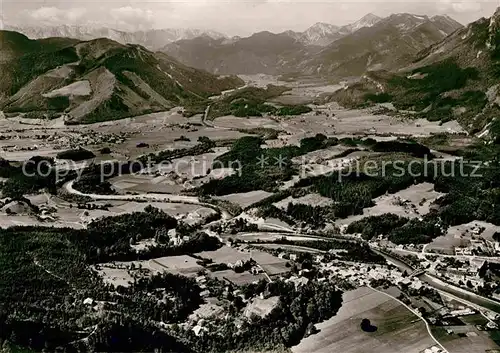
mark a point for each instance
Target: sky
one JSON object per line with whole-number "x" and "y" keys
{"x": 231, "y": 17}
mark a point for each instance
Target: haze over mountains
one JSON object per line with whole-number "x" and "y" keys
{"x": 152, "y": 39}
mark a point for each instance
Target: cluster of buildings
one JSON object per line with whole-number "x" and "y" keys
{"x": 363, "y": 274}
{"x": 478, "y": 247}
{"x": 469, "y": 273}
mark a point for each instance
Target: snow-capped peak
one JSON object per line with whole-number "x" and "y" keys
{"x": 323, "y": 28}
{"x": 368, "y": 20}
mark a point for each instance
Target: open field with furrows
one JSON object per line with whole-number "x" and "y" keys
{"x": 119, "y": 273}
{"x": 461, "y": 236}
{"x": 272, "y": 265}
{"x": 264, "y": 236}
{"x": 467, "y": 338}
{"x": 72, "y": 217}
{"x": 412, "y": 202}
{"x": 182, "y": 265}
{"x": 238, "y": 279}
{"x": 8, "y": 221}
{"x": 246, "y": 199}
{"x": 226, "y": 255}
{"x": 398, "y": 329}
{"x": 293, "y": 248}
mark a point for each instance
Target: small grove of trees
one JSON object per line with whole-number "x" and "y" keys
{"x": 76, "y": 155}
{"x": 399, "y": 230}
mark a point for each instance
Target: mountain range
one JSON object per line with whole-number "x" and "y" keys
{"x": 371, "y": 43}
{"x": 389, "y": 44}
{"x": 457, "y": 78}
{"x": 432, "y": 67}
{"x": 97, "y": 80}
{"x": 323, "y": 34}
{"x": 152, "y": 39}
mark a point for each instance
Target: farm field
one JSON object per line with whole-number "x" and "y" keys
{"x": 189, "y": 213}
{"x": 232, "y": 122}
{"x": 467, "y": 338}
{"x": 265, "y": 236}
{"x": 246, "y": 199}
{"x": 8, "y": 221}
{"x": 294, "y": 248}
{"x": 181, "y": 265}
{"x": 461, "y": 236}
{"x": 261, "y": 307}
{"x": 238, "y": 279}
{"x": 116, "y": 273}
{"x": 272, "y": 265}
{"x": 398, "y": 329}
{"x": 226, "y": 255}
{"x": 412, "y": 202}
{"x": 362, "y": 122}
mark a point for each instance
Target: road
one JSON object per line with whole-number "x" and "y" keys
{"x": 194, "y": 200}
{"x": 143, "y": 197}
{"x": 417, "y": 314}
{"x": 188, "y": 200}
{"x": 425, "y": 253}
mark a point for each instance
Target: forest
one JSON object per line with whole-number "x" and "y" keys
{"x": 47, "y": 275}
{"x": 298, "y": 310}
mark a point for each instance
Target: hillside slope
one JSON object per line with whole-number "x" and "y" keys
{"x": 457, "y": 78}
{"x": 263, "y": 52}
{"x": 97, "y": 80}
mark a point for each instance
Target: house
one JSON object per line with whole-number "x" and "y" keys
{"x": 298, "y": 281}
{"x": 319, "y": 258}
{"x": 478, "y": 267}
{"x": 88, "y": 301}
{"x": 199, "y": 330}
